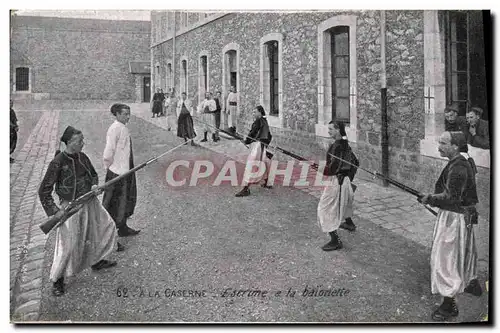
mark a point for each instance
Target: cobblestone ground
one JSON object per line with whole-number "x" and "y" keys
{"x": 388, "y": 207}
{"x": 394, "y": 211}
{"x": 27, "y": 241}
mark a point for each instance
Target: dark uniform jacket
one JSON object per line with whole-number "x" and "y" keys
{"x": 73, "y": 175}
{"x": 460, "y": 125}
{"x": 482, "y": 137}
{"x": 341, "y": 149}
{"x": 259, "y": 131}
{"x": 456, "y": 186}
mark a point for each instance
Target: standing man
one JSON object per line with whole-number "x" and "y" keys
{"x": 337, "y": 198}
{"x": 14, "y": 128}
{"x": 118, "y": 158}
{"x": 207, "y": 110}
{"x": 454, "y": 253}
{"x": 185, "y": 127}
{"x": 477, "y": 129}
{"x": 454, "y": 122}
{"x": 218, "y": 111}
{"x": 157, "y": 103}
{"x": 87, "y": 237}
{"x": 232, "y": 109}
{"x": 259, "y": 137}
{"x": 171, "y": 110}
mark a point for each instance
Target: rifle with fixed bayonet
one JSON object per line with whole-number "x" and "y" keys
{"x": 54, "y": 221}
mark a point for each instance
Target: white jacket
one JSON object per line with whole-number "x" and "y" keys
{"x": 207, "y": 102}
{"x": 189, "y": 106}
{"x": 116, "y": 156}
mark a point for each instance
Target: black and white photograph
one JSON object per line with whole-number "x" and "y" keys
{"x": 250, "y": 166}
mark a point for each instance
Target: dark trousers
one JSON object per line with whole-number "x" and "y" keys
{"x": 13, "y": 140}
{"x": 120, "y": 198}
{"x": 217, "y": 119}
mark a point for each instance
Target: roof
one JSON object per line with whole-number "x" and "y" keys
{"x": 140, "y": 67}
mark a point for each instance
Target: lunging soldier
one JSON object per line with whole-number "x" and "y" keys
{"x": 259, "y": 137}
{"x": 454, "y": 254}
{"x": 335, "y": 203}
{"x": 121, "y": 197}
{"x": 87, "y": 237}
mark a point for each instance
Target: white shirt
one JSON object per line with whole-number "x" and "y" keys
{"x": 208, "y": 102}
{"x": 188, "y": 105}
{"x": 116, "y": 156}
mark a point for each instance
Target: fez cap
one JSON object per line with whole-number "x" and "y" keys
{"x": 68, "y": 134}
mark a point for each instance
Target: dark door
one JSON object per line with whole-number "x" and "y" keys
{"x": 147, "y": 89}
{"x": 233, "y": 79}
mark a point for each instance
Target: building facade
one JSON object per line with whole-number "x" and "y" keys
{"x": 308, "y": 68}
{"x": 67, "y": 58}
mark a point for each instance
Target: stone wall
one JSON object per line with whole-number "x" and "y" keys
{"x": 405, "y": 83}
{"x": 79, "y": 58}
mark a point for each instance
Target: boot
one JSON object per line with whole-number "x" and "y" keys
{"x": 127, "y": 231}
{"x": 119, "y": 247}
{"x": 204, "y": 137}
{"x": 244, "y": 192}
{"x": 103, "y": 264}
{"x": 348, "y": 225}
{"x": 334, "y": 243}
{"x": 58, "y": 287}
{"x": 264, "y": 185}
{"x": 192, "y": 143}
{"x": 213, "y": 138}
{"x": 446, "y": 310}
{"x": 474, "y": 288}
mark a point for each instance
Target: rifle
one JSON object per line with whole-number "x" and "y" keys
{"x": 314, "y": 166}
{"x": 54, "y": 221}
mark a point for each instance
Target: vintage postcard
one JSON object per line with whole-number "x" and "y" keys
{"x": 322, "y": 166}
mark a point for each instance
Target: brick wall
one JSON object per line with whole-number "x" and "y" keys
{"x": 79, "y": 58}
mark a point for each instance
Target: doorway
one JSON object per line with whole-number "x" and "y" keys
{"x": 146, "y": 89}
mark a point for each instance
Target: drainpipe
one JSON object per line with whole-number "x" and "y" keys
{"x": 383, "y": 97}
{"x": 173, "y": 57}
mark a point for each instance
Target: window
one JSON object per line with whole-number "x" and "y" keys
{"x": 271, "y": 77}
{"x": 465, "y": 60}
{"x": 169, "y": 83}
{"x": 337, "y": 66}
{"x": 340, "y": 73}
{"x": 22, "y": 79}
{"x": 273, "y": 63}
{"x": 203, "y": 85}
{"x": 184, "y": 76}
{"x": 184, "y": 20}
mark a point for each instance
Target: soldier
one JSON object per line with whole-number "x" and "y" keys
{"x": 335, "y": 203}
{"x": 121, "y": 197}
{"x": 232, "y": 109}
{"x": 207, "y": 109}
{"x": 87, "y": 237}
{"x": 14, "y": 128}
{"x": 454, "y": 255}
{"x": 259, "y": 138}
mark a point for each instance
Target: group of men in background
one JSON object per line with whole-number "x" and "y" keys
{"x": 210, "y": 112}
{"x": 474, "y": 128}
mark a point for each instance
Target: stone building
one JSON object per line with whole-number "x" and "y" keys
{"x": 68, "y": 58}
{"x": 309, "y": 67}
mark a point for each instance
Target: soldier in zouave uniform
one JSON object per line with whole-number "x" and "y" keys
{"x": 207, "y": 110}
{"x": 89, "y": 236}
{"x": 232, "y": 109}
{"x": 454, "y": 254}
{"x": 259, "y": 138}
{"x": 335, "y": 204}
